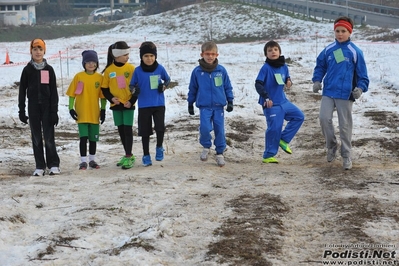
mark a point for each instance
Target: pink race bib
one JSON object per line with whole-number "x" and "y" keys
{"x": 79, "y": 88}
{"x": 121, "y": 82}
{"x": 44, "y": 77}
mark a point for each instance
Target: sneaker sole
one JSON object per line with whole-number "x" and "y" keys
{"x": 53, "y": 173}
{"x": 348, "y": 167}
{"x": 276, "y": 162}
{"x": 286, "y": 151}
{"x": 127, "y": 167}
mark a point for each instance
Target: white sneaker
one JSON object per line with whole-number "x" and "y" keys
{"x": 54, "y": 171}
{"x": 38, "y": 172}
{"x": 347, "y": 164}
{"x": 204, "y": 154}
{"x": 220, "y": 160}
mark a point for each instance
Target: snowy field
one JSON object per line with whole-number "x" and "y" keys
{"x": 181, "y": 211}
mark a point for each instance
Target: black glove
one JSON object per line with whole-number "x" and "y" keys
{"x": 135, "y": 90}
{"x": 102, "y": 116}
{"x": 73, "y": 113}
{"x": 23, "y": 117}
{"x": 229, "y": 106}
{"x": 54, "y": 119}
{"x": 191, "y": 109}
{"x": 160, "y": 88}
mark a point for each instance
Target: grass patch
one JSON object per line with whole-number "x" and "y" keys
{"x": 28, "y": 33}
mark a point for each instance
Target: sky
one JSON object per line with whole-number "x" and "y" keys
{"x": 26, "y": 231}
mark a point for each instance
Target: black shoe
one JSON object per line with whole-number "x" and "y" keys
{"x": 93, "y": 165}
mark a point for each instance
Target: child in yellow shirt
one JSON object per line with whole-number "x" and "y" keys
{"x": 115, "y": 87}
{"x": 84, "y": 93}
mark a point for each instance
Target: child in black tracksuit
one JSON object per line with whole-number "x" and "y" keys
{"x": 38, "y": 84}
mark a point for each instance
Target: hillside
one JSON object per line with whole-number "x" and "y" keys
{"x": 182, "y": 211}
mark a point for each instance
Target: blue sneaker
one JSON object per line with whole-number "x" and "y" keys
{"x": 147, "y": 160}
{"x": 159, "y": 154}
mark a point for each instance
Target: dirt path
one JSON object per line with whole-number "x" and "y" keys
{"x": 186, "y": 212}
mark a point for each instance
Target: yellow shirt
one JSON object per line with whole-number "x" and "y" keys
{"x": 87, "y": 101}
{"x": 117, "y": 79}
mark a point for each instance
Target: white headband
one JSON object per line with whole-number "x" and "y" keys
{"x": 120, "y": 52}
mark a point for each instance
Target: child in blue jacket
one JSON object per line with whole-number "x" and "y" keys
{"x": 148, "y": 84}
{"x": 342, "y": 69}
{"x": 210, "y": 88}
{"x": 270, "y": 83}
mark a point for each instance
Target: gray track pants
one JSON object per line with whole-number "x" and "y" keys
{"x": 344, "y": 111}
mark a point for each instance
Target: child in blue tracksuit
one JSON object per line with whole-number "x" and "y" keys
{"x": 342, "y": 69}
{"x": 148, "y": 84}
{"x": 210, "y": 88}
{"x": 270, "y": 83}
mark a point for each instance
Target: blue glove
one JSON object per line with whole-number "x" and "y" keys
{"x": 229, "y": 106}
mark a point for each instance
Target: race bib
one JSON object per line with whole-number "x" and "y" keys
{"x": 79, "y": 88}
{"x": 279, "y": 79}
{"x": 154, "y": 82}
{"x": 44, "y": 77}
{"x": 121, "y": 82}
{"x": 339, "y": 55}
{"x": 218, "y": 81}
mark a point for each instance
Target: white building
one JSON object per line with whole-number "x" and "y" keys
{"x": 18, "y": 12}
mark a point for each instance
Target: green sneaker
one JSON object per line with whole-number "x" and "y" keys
{"x": 121, "y": 161}
{"x": 129, "y": 162}
{"x": 285, "y": 147}
{"x": 270, "y": 160}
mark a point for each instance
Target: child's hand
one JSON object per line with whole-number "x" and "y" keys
{"x": 127, "y": 104}
{"x": 316, "y": 86}
{"x": 161, "y": 88}
{"x": 115, "y": 100}
{"x": 268, "y": 103}
{"x": 288, "y": 84}
{"x": 191, "y": 109}
{"x": 357, "y": 92}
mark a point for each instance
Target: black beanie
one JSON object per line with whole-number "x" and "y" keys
{"x": 148, "y": 48}
{"x": 89, "y": 56}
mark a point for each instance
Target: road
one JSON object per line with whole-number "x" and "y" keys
{"x": 330, "y": 11}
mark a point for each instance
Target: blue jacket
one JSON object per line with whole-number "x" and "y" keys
{"x": 148, "y": 83}
{"x": 210, "y": 89}
{"x": 274, "y": 91}
{"x": 341, "y": 73}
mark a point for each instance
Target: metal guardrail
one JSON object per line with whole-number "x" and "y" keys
{"x": 330, "y": 11}
{"x": 364, "y": 6}
{"x": 98, "y": 5}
